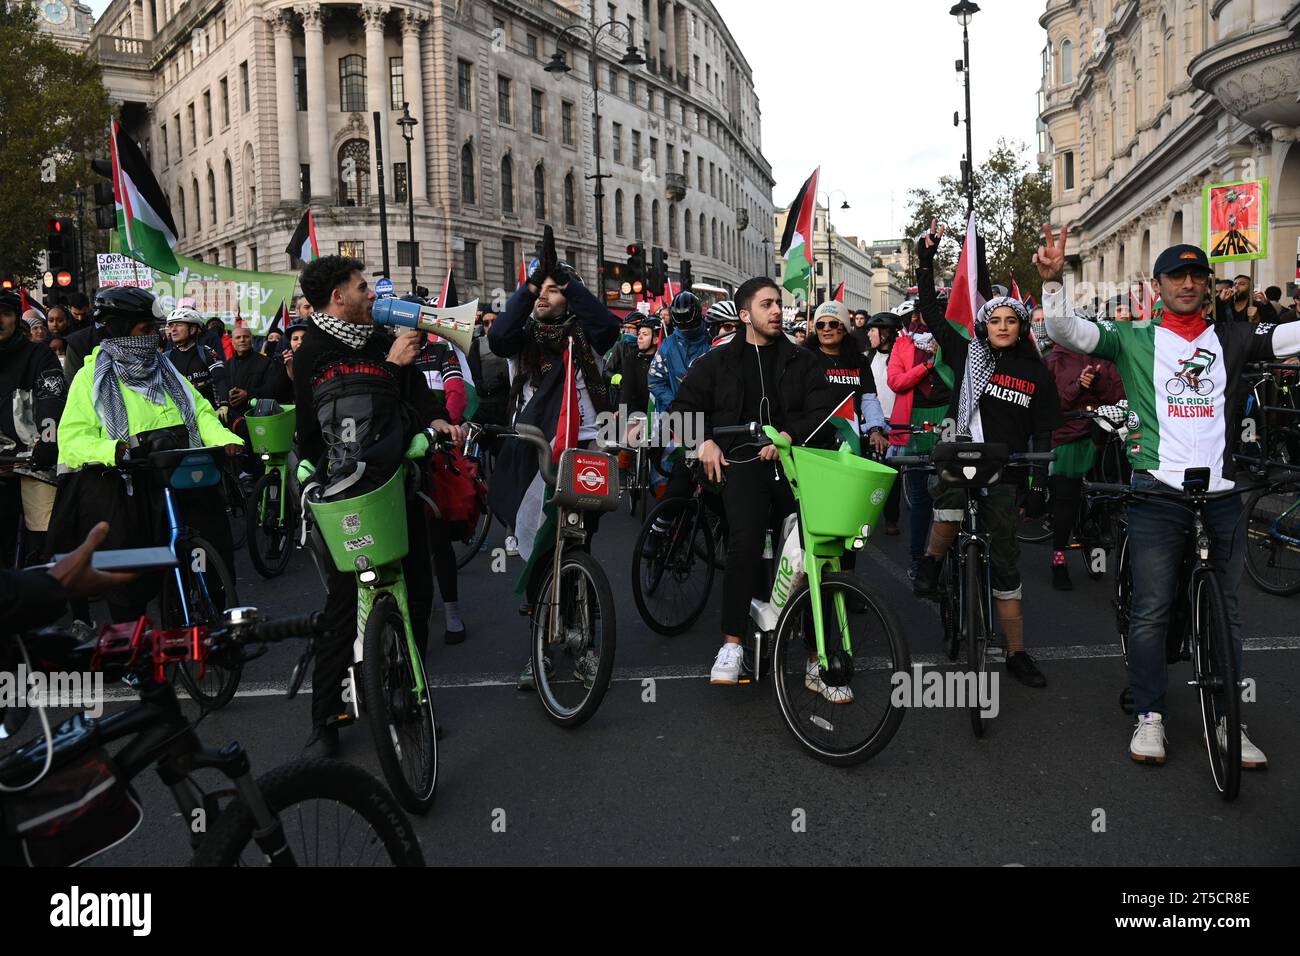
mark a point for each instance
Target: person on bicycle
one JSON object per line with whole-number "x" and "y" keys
{"x": 762, "y": 377}
{"x": 630, "y": 363}
{"x": 722, "y": 320}
{"x": 129, "y": 399}
{"x": 33, "y": 390}
{"x": 1083, "y": 382}
{"x": 553, "y": 329}
{"x": 1002, "y": 393}
{"x": 359, "y": 400}
{"x": 1164, "y": 440}
{"x": 882, "y": 331}
{"x": 202, "y": 366}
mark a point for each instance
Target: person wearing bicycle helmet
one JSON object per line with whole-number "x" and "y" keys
{"x": 33, "y": 390}
{"x": 1003, "y": 394}
{"x": 723, "y": 321}
{"x": 202, "y": 366}
{"x": 129, "y": 398}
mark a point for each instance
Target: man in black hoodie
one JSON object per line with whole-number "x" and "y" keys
{"x": 360, "y": 400}
{"x": 763, "y": 377}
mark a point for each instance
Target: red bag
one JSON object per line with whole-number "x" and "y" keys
{"x": 458, "y": 493}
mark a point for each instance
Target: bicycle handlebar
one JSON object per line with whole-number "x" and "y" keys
{"x": 533, "y": 436}
{"x": 1182, "y": 497}
{"x": 750, "y": 430}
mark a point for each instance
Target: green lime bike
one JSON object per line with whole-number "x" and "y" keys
{"x": 270, "y": 513}
{"x": 367, "y": 536}
{"x": 831, "y": 641}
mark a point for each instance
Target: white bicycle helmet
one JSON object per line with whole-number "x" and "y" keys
{"x": 723, "y": 311}
{"x": 184, "y": 313}
{"x": 904, "y": 309}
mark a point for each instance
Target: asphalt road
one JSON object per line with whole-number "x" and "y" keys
{"x": 709, "y": 774}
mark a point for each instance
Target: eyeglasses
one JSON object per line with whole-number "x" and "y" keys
{"x": 828, "y": 324}
{"x": 728, "y": 327}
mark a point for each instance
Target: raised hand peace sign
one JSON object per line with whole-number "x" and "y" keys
{"x": 1050, "y": 258}
{"x": 928, "y": 244}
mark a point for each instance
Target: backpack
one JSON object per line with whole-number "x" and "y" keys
{"x": 458, "y": 493}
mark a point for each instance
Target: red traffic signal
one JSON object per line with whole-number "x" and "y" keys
{"x": 637, "y": 287}
{"x": 64, "y": 279}
{"x": 635, "y": 249}
{"x": 7, "y": 283}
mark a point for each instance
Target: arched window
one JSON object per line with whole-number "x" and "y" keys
{"x": 507, "y": 184}
{"x": 672, "y": 225}
{"x": 687, "y": 227}
{"x": 251, "y": 179}
{"x": 1067, "y": 61}
{"x": 714, "y": 224}
{"x": 212, "y": 197}
{"x": 570, "y": 202}
{"x": 654, "y": 222}
{"x": 230, "y": 190}
{"x": 539, "y": 192}
{"x": 467, "y": 174}
{"x": 354, "y": 173}
{"x": 198, "y": 206}
{"x": 618, "y": 212}
{"x": 180, "y": 204}
{"x": 352, "y": 83}
{"x": 704, "y": 235}
{"x": 636, "y": 217}
{"x": 1176, "y": 229}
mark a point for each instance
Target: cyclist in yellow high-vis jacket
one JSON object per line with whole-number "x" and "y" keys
{"x": 128, "y": 398}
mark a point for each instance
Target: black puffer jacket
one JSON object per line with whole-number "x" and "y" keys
{"x": 32, "y": 393}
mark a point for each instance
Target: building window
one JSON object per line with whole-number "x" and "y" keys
{"x": 463, "y": 84}
{"x": 671, "y": 159}
{"x": 399, "y": 182}
{"x": 570, "y": 202}
{"x": 686, "y": 227}
{"x": 162, "y": 131}
{"x": 352, "y": 83}
{"x": 636, "y": 216}
{"x": 654, "y": 154}
{"x": 207, "y": 114}
{"x": 212, "y": 197}
{"x": 636, "y": 148}
{"x": 353, "y": 248}
{"x": 198, "y": 206}
{"x": 538, "y": 106}
{"x": 180, "y": 204}
{"x": 225, "y": 102}
{"x": 243, "y": 83}
{"x": 469, "y": 260}
{"x": 304, "y": 182}
{"x": 672, "y": 226}
{"x": 539, "y": 192}
{"x": 509, "y": 265}
{"x": 300, "y": 83}
{"x": 396, "y": 85}
{"x": 654, "y": 222}
{"x": 252, "y": 258}
{"x": 530, "y": 42}
{"x": 566, "y": 122}
{"x": 631, "y": 90}
{"x": 194, "y": 129}
{"x": 354, "y": 173}
{"x": 467, "y": 175}
{"x": 406, "y": 252}
{"x": 618, "y": 142}
{"x": 1068, "y": 175}
{"x": 507, "y": 185}
{"x": 699, "y": 173}
{"x": 618, "y": 212}
{"x": 1067, "y": 61}
{"x": 503, "y": 100}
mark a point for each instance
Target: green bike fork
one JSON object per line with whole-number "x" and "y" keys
{"x": 816, "y": 562}
{"x": 390, "y": 580}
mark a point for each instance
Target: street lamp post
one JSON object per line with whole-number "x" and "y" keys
{"x": 408, "y": 124}
{"x": 558, "y": 65}
{"x": 767, "y": 256}
{"x": 80, "y": 195}
{"x": 830, "y": 240}
{"x": 963, "y": 11}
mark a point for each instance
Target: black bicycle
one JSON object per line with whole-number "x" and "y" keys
{"x": 64, "y": 799}
{"x": 965, "y": 583}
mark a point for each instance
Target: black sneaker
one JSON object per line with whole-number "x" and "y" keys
{"x": 926, "y": 582}
{"x": 1061, "y": 578}
{"x": 1022, "y": 667}
{"x": 323, "y": 742}
{"x": 454, "y": 637}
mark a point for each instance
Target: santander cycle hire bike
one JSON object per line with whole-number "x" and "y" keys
{"x": 270, "y": 509}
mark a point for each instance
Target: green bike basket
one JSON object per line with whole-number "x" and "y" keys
{"x": 838, "y": 491}
{"x": 372, "y": 526}
{"x": 272, "y": 434}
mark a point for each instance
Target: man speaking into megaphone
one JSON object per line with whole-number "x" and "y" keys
{"x": 553, "y": 331}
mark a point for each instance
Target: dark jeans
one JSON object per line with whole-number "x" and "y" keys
{"x": 1157, "y": 541}
{"x": 922, "y": 510}
{"x": 339, "y": 627}
{"x": 756, "y": 498}
{"x": 1066, "y": 496}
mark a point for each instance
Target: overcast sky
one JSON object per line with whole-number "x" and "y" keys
{"x": 867, "y": 89}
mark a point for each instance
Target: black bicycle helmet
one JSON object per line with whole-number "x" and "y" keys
{"x": 11, "y": 302}
{"x": 885, "y": 320}
{"x": 121, "y": 308}
{"x": 685, "y": 311}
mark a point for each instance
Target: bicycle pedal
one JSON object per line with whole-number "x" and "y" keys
{"x": 340, "y": 720}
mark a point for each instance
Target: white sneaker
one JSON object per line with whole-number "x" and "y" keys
{"x": 1252, "y": 758}
{"x": 813, "y": 681}
{"x": 1148, "y": 743}
{"x": 512, "y": 546}
{"x": 726, "y": 669}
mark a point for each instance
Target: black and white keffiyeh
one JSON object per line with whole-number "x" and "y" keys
{"x": 981, "y": 361}
{"x": 349, "y": 333}
{"x": 134, "y": 361}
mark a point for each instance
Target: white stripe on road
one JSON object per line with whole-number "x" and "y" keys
{"x": 1076, "y": 652}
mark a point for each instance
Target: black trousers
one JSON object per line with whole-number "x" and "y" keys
{"x": 339, "y": 627}
{"x": 442, "y": 544}
{"x": 757, "y": 499}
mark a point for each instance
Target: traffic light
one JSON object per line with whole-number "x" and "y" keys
{"x": 105, "y": 206}
{"x": 658, "y": 271}
{"x": 636, "y": 266}
{"x": 688, "y": 280}
{"x": 62, "y": 269}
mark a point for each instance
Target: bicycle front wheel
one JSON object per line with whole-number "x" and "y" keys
{"x": 573, "y": 663}
{"x": 331, "y": 813}
{"x": 465, "y": 550}
{"x": 977, "y": 630}
{"x": 270, "y": 536}
{"x": 948, "y": 608}
{"x": 401, "y": 718}
{"x": 844, "y": 715}
{"x": 1273, "y": 540}
{"x": 209, "y": 588}
{"x": 1216, "y": 681}
{"x": 673, "y": 567}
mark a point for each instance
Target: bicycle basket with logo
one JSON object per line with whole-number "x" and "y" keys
{"x": 586, "y": 481}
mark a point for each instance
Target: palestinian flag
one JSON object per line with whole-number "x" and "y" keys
{"x": 446, "y": 299}
{"x": 839, "y": 293}
{"x": 970, "y": 290}
{"x": 1015, "y": 289}
{"x": 302, "y": 244}
{"x": 796, "y": 242}
{"x": 845, "y": 421}
{"x": 524, "y": 268}
{"x": 144, "y": 218}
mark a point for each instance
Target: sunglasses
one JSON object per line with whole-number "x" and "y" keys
{"x": 828, "y": 324}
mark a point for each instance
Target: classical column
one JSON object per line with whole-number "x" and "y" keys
{"x": 147, "y": 6}
{"x": 318, "y": 144}
{"x": 286, "y": 100}
{"x": 378, "y": 95}
{"x": 670, "y": 27}
{"x": 652, "y": 47}
{"x": 413, "y": 86}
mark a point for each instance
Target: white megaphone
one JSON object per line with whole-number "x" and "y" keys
{"x": 455, "y": 324}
